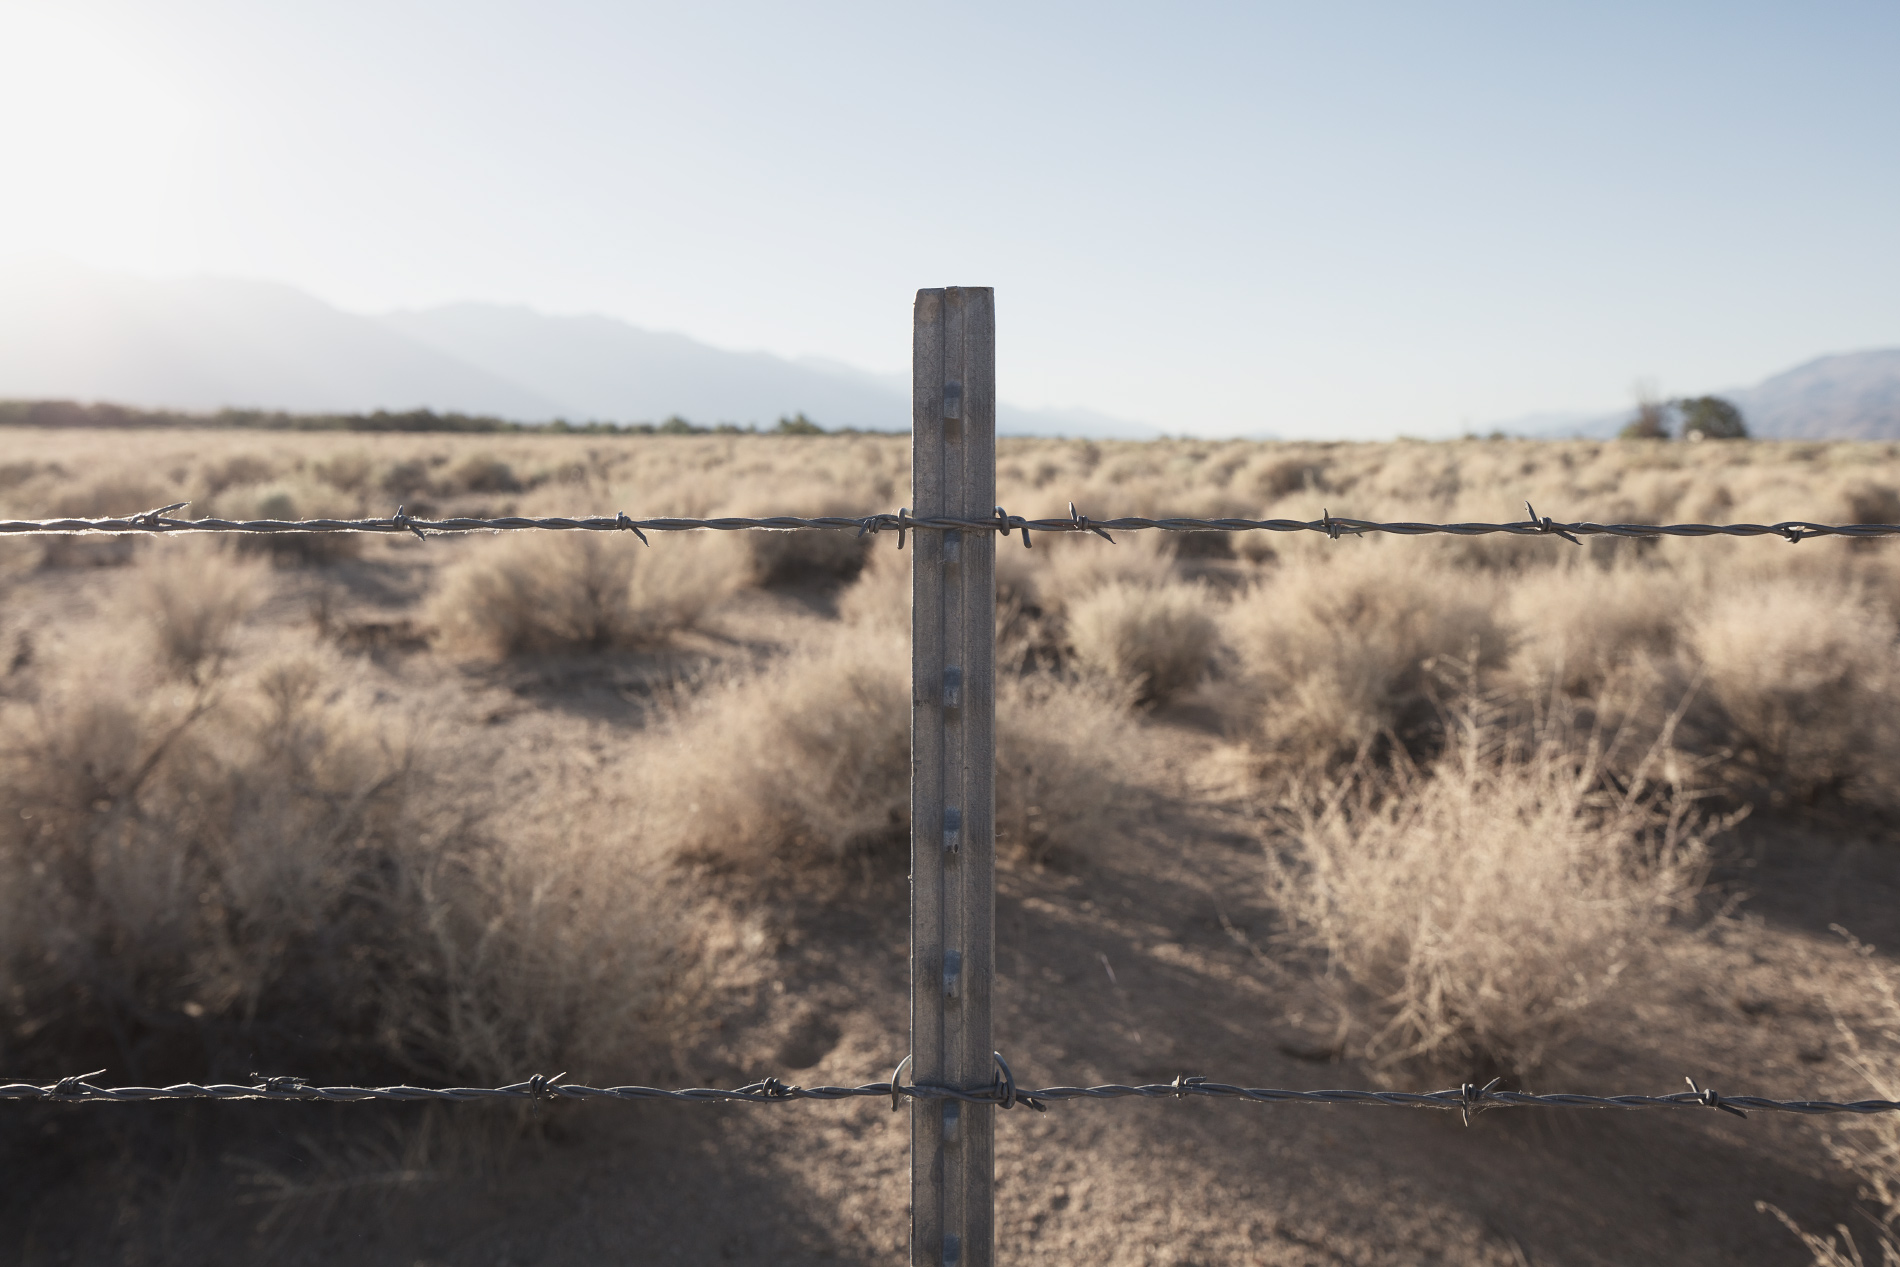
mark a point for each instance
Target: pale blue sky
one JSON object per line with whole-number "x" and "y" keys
{"x": 1344, "y": 220}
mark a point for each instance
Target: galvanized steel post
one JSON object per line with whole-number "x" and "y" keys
{"x": 952, "y": 775}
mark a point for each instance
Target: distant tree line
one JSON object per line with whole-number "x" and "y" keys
{"x": 68, "y": 413}
{"x": 1700, "y": 418}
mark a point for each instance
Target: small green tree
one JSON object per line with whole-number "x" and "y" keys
{"x": 1711, "y": 418}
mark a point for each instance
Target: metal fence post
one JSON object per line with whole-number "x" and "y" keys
{"x": 952, "y": 775}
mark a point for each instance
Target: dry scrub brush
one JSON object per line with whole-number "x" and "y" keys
{"x": 212, "y": 863}
{"x": 1807, "y": 675}
{"x": 1474, "y": 911}
{"x": 193, "y": 594}
{"x": 1339, "y": 646}
{"x": 807, "y": 760}
{"x": 542, "y": 592}
{"x": 1153, "y": 642}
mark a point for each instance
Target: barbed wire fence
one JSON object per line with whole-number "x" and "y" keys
{"x": 952, "y": 1222}
{"x": 162, "y": 522}
{"x": 1467, "y": 1100}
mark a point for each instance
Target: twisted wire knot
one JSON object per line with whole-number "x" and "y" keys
{"x": 1005, "y": 521}
{"x": 1473, "y": 1098}
{"x": 897, "y": 1084}
{"x": 1082, "y": 524}
{"x": 771, "y": 1089}
{"x": 156, "y": 518}
{"x": 1708, "y": 1097}
{"x": 74, "y": 1086}
{"x": 401, "y": 520}
{"x": 1545, "y": 525}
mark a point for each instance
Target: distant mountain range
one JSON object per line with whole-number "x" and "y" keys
{"x": 200, "y": 344}
{"x": 1849, "y": 396}
{"x": 1854, "y": 396}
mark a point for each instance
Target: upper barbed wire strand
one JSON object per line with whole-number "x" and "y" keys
{"x": 1467, "y": 1099}
{"x": 161, "y": 522}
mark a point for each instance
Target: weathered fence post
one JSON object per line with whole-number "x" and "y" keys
{"x": 952, "y": 775}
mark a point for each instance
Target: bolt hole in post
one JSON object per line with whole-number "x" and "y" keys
{"x": 953, "y": 763}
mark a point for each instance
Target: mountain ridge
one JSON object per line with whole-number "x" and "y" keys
{"x": 1839, "y": 396}
{"x": 207, "y": 343}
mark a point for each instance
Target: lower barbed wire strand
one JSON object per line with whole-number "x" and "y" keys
{"x": 161, "y": 523}
{"x": 1465, "y": 1099}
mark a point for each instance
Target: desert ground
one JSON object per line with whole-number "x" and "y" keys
{"x": 1280, "y": 811}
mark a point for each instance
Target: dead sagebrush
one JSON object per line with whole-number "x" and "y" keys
{"x": 880, "y": 597}
{"x": 578, "y": 592}
{"x": 1578, "y": 625}
{"x": 196, "y": 854}
{"x": 124, "y": 493}
{"x": 808, "y": 760}
{"x": 237, "y": 468}
{"x": 265, "y": 868}
{"x": 347, "y": 472}
{"x": 1059, "y": 791}
{"x": 1152, "y": 641}
{"x": 1338, "y": 648}
{"x": 480, "y": 473}
{"x": 1475, "y": 911}
{"x": 1060, "y": 572}
{"x": 192, "y": 595}
{"x": 803, "y": 557}
{"x": 1805, "y": 674}
{"x": 296, "y": 496}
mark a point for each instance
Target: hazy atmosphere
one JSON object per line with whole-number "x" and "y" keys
{"x": 480, "y": 608}
{"x": 1343, "y": 222}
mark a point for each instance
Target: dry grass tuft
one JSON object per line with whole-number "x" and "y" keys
{"x": 579, "y": 592}
{"x": 1476, "y": 911}
{"x": 1153, "y": 641}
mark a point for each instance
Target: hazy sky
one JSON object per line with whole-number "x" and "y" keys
{"x": 1306, "y": 219}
